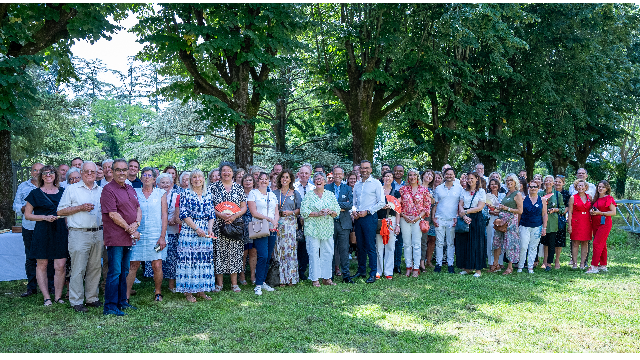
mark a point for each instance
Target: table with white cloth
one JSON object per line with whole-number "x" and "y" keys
{"x": 12, "y": 257}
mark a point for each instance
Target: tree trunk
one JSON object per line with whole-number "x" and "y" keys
{"x": 441, "y": 149}
{"x": 364, "y": 134}
{"x": 529, "y": 158}
{"x": 7, "y": 215}
{"x": 622, "y": 171}
{"x": 490, "y": 163}
{"x": 244, "y": 144}
{"x": 559, "y": 163}
{"x": 280, "y": 127}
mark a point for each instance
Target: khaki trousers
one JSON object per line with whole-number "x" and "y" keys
{"x": 85, "y": 249}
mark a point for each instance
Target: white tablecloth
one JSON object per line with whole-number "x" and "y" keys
{"x": 11, "y": 257}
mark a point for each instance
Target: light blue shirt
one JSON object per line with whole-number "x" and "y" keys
{"x": 368, "y": 195}
{"x": 447, "y": 200}
{"x": 23, "y": 191}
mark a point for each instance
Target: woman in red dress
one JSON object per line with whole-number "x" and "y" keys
{"x": 579, "y": 221}
{"x": 604, "y": 207}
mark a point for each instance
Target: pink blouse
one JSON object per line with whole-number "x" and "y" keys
{"x": 414, "y": 204}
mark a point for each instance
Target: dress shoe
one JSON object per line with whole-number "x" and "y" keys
{"x": 126, "y": 305}
{"x": 450, "y": 268}
{"x": 29, "y": 292}
{"x": 115, "y": 312}
{"x": 80, "y": 308}
{"x": 95, "y": 304}
{"x": 347, "y": 280}
{"x": 397, "y": 270}
{"x": 371, "y": 279}
{"x": 437, "y": 269}
{"x": 357, "y": 275}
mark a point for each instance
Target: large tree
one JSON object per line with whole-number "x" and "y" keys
{"x": 30, "y": 33}
{"x": 227, "y": 52}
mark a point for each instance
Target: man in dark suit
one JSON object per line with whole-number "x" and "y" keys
{"x": 342, "y": 225}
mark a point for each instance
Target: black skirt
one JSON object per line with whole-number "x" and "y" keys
{"x": 471, "y": 247}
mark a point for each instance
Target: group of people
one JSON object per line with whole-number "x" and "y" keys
{"x": 107, "y": 219}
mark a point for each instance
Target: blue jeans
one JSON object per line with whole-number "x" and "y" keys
{"x": 366, "y": 239}
{"x": 264, "y": 246}
{"x": 115, "y": 290}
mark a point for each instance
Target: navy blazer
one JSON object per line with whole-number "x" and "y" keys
{"x": 345, "y": 200}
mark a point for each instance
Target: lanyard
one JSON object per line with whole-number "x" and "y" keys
{"x": 285, "y": 198}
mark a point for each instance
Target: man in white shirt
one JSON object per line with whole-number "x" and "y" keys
{"x": 81, "y": 204}
{"x": 303, "y": 186}
{"x": 445, "y": 215}
{"x": 582, "y": 174}
{"x": 368, "y": 198}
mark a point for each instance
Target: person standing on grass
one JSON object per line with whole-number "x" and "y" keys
{"x": 590, "y": 189}
{"x": 471, "y": 246}
{"x": 533, "y": 224}
{"x": 121, "y": 216}
{"x": 153, "y": 230}
{"x": 303, "y": 186}
{"x": 263, "y": 205}
{"x": 561, "y": 235}
{"x": 250, "y": 252}
{"x": 428, "y": 240}
{"x": 444, "y": 213}
{"x": 416, "y": 203}
{"x": 508, "y": 210}
{"x": 554, "y": 206}
{"x": 392, "y": 219}
{"x": 343, "y": 224}
{"x": 398, "y": 175}
{"x": 579, "y": 221}
{"x": 494, "y": 197}
{"x": 604, "y": 207}
{"x": 81, "y": 204}
{"x": 368, "y": 198}
{"x": 319, "y": 208}
{"x": 50, "y": 235}
{"x": 19, "y": 205}
{"x": 286, "y": 248}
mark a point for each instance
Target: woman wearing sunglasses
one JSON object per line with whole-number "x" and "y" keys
{"x": 533, "y": 224}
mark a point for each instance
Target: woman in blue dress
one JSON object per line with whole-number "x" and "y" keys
{"x": 194, "y": 269}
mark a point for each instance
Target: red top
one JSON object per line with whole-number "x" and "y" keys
{"x": 124, "y": 201}
{"x": 581, "y": 219}
{"x": 602, "y": 204}
{"x": 414, "y": 204}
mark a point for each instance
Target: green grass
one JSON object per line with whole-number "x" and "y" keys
{"x": 561, "y": 311}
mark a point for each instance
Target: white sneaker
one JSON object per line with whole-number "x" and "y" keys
{"x": 519, "y": 270}
{"x": 603, "y": 268}
{"x": 136, "y": 281}
{"x": 463, "y": 272}
{"x": 257, "y": 290}
{"x": 477, "y": 275}
{"x": 530, "y": 271}
{"x": 592, "y": 270}
{"x": 350, "y": 258}
{"x": 267, "y": 287}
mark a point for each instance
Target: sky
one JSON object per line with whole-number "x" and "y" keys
{"x": 114, "y": 54}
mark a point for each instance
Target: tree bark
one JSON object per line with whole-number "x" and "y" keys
{"x": 441, "y": 149}
{"x": 559, "y": 162}
{"x": 622, "y": 172}
{"x": 7, "y": 216}
{"x": 280, "y": 127}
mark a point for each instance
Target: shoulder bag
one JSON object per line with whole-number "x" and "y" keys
{"x": 259, "y": 228}
{"x": 235, "y": 230}
{"x": 461, "y": 226}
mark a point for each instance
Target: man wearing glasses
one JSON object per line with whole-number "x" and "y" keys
{"x": 81, "y": 204}
{"x": 121, "y": 216}
{"x": 19, "y": 204}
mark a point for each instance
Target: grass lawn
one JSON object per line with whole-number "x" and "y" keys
{"x": 561, "y": 311}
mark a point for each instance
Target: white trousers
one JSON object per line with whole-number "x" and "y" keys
{"x": 412, "y": 242}
{"x": 529, "y": 240}
{"x": 447, "y": 232}
{"x": 320, "y": 257}
{"x": 490, "y": 232}
{"x": 386, "y": 252}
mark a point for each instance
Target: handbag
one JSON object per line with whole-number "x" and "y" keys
{"x": 461, "y": 226}
{"x": 500, "y": 225}
{"x": 300, "y": 230}
{"x": 234, "y": 231}
{"x": 259, "y": 228}
{"x": 424, "y": 226}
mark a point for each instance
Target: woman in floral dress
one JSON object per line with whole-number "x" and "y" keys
{"x": 510, "y": 207}
{"x": 289, "y": 202}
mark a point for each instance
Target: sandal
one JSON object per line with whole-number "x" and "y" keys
{"x": 328, "y": 282}
{"x": 218, "y": 288}
{"x": 190, "y": 298}
{"x": 205, "y": 296}
{"x": 235, "y": 288}
{"x": 507, "y": 272}
{"x": 47, "y": 300}
{"x": 408, "y": 272}
{"x": 243, "y": 282}
{"x": 415, "y": 273}
{"x": 316, "y": 284}
{"x": 158, "y": 297}
{"x": 60, "y": 301}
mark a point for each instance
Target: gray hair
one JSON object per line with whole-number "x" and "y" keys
{"x": 71, "y": 171}
{"x": 515, "y": 179}
{"x": 321, "y": 174}
{"x": 305, "y": 165}
{"x": 548, "y": 176}
{"x": 163, "y": 176}
{"x": 211, "y": 173}
{"x": 88, "y": 163}
{"x": 108, "y": 161}
{"x": 184, "y": 173}
{"x": 149, "y": 168}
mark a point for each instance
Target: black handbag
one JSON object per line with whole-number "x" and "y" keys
{"x": 234, "y": 231}
{"x": 300, "y": 231}
{"x": 461, "y": 226}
